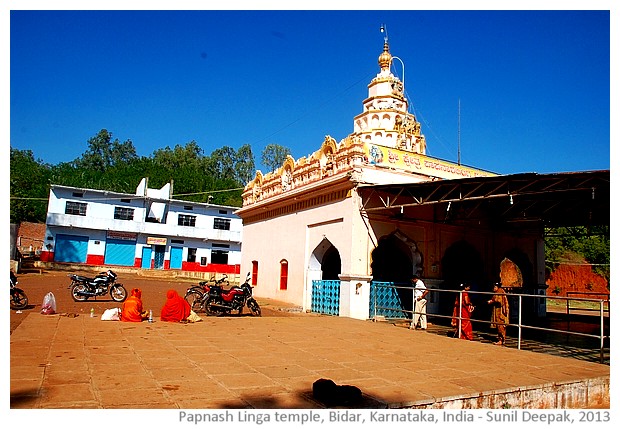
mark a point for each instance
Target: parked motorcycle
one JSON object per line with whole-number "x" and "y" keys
{"x": 197, "y": 295}
{"x": 83, "y": 288}
{"x": 19, "y": 300}
{"x": 220, "y": 302}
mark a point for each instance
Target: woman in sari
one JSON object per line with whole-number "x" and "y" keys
{"x": 132, "y": 308}
{"x": 499, "y": 315}
{"x": 176, "y": 309}
{"x": 466, "y": 309}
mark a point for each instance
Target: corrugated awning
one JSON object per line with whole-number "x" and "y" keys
{"x": 557, "y": 199}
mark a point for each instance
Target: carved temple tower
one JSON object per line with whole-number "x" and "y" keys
{"x": 304, "y": 226}
{"x": 386, "y": 119}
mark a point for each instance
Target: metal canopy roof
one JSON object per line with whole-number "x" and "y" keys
{"x": 550, "y": 200}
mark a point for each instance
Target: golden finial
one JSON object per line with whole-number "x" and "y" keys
{"x": 385, "y": 59}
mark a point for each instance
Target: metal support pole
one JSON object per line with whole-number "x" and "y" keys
{"x": 520, "y": 312}
{"x": 460, "y": 311}
{"x": 602, "y": 354}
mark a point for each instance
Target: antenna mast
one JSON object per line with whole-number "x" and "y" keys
{"x": 459, "y": 134}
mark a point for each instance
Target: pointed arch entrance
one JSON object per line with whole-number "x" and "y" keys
{"x": 324, "y": 268}
{"x": 461, "y": 263}
{"x": 395, "y": 259}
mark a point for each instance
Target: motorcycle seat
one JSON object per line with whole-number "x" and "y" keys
{"x": 83, "y": 279}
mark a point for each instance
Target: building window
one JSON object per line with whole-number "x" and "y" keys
{"x": 187, "y": 220}
{"x": 123, "y": 213}
{"x": 254, "y": 273}
{"x": 223, "y": 211}
{"x": 78, "y": 194}
{"x": 219, "y": 223}
{"x": 191, "y": 254}
{"x": 74, "y": 208}
{"x": 283, "y": 274}
{"x": 219, "y": 257}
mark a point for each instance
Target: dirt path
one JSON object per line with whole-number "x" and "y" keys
{"x": 154, "y": 291}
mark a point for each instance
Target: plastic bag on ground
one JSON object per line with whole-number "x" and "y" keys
{"x": 111, "y": 314}
{"x": 49, "y": 304}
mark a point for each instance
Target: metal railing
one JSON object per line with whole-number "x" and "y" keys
{"x": 582, "y": 308}
{"x": 600, "y": 306}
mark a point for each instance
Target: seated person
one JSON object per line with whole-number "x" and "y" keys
{"x": 132, "y": 308}
{"x": 176, "y": 309}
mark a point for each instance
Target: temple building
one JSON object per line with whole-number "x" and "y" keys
{"x": 325, "y": 231}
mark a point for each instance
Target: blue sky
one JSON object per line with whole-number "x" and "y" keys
{"x": 533, "y": 85}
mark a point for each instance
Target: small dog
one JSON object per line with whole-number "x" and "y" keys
{"x": 331, "y": 394}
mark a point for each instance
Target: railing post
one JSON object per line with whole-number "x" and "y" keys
{"x": 602, "y": 354}
{"x": 460, "y": 312}
{"x": 413, "y": 313}
{"x": 520, "y": 312}
{"x": 374, "y": 300}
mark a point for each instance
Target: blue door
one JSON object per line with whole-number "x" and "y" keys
{"x": 176, "y": 258}
{"x": 146, "y": 257}
{"x": 120, "y": 252}
{"x": 160, "y": 253}
{"x": 70, "y": 248}
{"x": 326, "y": 297}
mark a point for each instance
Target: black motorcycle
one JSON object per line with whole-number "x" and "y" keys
{"x": 220, "y": 302}
{"x": 83, "y": 288}
{"x": 196, "y": 295}
{"x": 19, "y": 300}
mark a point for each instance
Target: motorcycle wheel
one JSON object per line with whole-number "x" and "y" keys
{"x": 118, "y": 293}
{"x": 195, "y": 300}
{"x": 19, "y": 300}
{"x": 75, "y": 292}
{"x": 254, "y": 307}
{"x": 212, "y": 309}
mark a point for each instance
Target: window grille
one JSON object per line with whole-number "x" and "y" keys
{"x": 123, "y": 213}
{"x": 75, "y": 208}
{"x": 187, "y": 220}
{"x": 219, "y": 223}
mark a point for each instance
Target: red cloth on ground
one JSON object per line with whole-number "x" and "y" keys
{"x": 132, "y": 307}
{"x": 175, "y": 309}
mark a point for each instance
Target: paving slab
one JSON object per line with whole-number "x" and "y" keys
{"x": 271, "y": 362}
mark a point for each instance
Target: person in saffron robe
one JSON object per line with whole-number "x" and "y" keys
{"x": 467, "y": 309}
{"x": 500, "y": 313}
{"x": 176, "y": 309}
{"x": 132, "y": 310}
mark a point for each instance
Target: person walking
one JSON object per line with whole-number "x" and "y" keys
{"x": 419, "y": 297}
{"x": 500, "y": 313}
{"x": 464, "y": 307}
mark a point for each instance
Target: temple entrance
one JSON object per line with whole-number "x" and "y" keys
{"x": 394, "y": 261}
{"x": 461, "y": 263}
{"x": 323, "y": 270}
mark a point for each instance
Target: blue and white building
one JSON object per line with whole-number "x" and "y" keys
{"x": 147, "y": 230}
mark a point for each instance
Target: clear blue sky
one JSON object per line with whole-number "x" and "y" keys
{"x": 534, "y": 86}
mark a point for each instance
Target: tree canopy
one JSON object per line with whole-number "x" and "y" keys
{"x": 110, "y": 164}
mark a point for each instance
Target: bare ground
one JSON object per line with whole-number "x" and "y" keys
{"x": 37, "y": 284}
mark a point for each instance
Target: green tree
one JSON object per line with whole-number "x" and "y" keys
{"x": 245, "y": 166}
{"x": 567, "y": 244}
{"x": 274, "y": 155}
{"x": 29, "y": 187}
{"x": 222, "y": 163}
{"x": 103, "y": 153}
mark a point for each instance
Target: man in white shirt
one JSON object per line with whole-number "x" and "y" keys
{"x": 419, "y": 296}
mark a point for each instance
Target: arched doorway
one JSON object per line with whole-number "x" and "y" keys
{"x": 394, "y": 261}
{"x": 391, "y": 260}
{"x": 461, "y": 263}
{"x": 331, "y": 264}
{"x": 323, "y": 270}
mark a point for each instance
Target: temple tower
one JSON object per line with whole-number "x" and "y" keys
{"x": 385, "y": 119}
